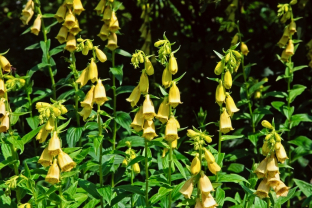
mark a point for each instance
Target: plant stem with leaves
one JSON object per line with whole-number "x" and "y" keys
{"x": 114, "y": 113}
{"x": 101, "y": 151}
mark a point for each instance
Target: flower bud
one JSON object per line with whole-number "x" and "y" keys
{"x": 50, "y": 124}
{"x": 187, "y": 188}
{"x": 104, "y": 32}
{"x": 63, "y": 109}
{"x": 70, "y": 20}
{"x": 88, "y": 100}
{"x": 113, "y": 23}
{"x": 136, "y": 168}
{"x": 266, "y": 124}
{"x": 71, "y": 43}
{"x": 191, "y": 133}
{"x": 174, "y": 144}
{"x": 261, "y": 169}
{"x": 100, "y": 55}
{"x": 207, "y": 138}
{"x": 234, "y": 39}
{"x": 163, "y": 111}
{"x": 284, "y": 56}
{"x": 230, "y": 105}
{"x": 99, "y": 93}
{"x": 220, "y": 94}
{"x": 149, "y": 69}
{"x": 265, "y": 148}
{"x": 85, "y": 113}
{"x": 65, "y": 162}
{"x": 112, "y": 42}
{"x": 290, "y": 49}
{"x": 85, "y": 49}
{"x": 42, "y": 134}
{"x": 62, "y": 35}
{"x": 148, "y": 108}
{"x": 281, "y": 154}
{"x": 209, "y": 157}
{"x": 166, "y": 78}
{"x": 69, "y": 3}
{"x": 53, "y": 175}
{"x": 237, "y": 54}
{"x": 214, "y": 168}
{"x": 225, "y": 122}
{"x": 171, "y": 132}
{"x": 144, "y": 83}
{"x": 134, "y": 96}
{"x": 174, "y": 95}
{"x": 292, "y": 27}
{"x": 208, "y": 201}
{"x": 204, "y": 184}
{"x": 173, "y": 65}
{"x": 277, "y": 137}
{"x": 2, "y": 87}
{"x": 263, "y": 189}
{"x": 267, "y": 137}
{"x": 60, "y": 14}
{"x": 195, "y": 166}
{"x": 83, "y": 78}
{"x": 165, "y": 150}
{"x": 54, "y": 146}
{"x": 257, "y": 95}
{"x": 107, "y": 15}
{"x": 100, "y": 7}
{"x": 228, "y": 80}
{"x": 219, "y": 68}
{"x": 281, "y": 189}
{"x": 159, "y": 43}
{"x": 93, "y": 71}
{"x": 137, "y": 123}
{"x": 149, "y": 130}
{"x": 57, "y": 112}
{"x": 244, "y": 49}
{"x": 78, "y": 8}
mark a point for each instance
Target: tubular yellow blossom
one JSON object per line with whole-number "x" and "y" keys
{"x": 220, "y": 93}
{"x": 124, "y": 163}
{"x": 42, "y": 105}
{"x": 107, "y": 15}
{"x": 165, "y": 150}
{"x": 290, "y": 49}
{"x": 277, "y": 145}
{"x": 99, "y": 93}
{"x": 148, "y": 108}
{"x": 2, "y": 87}
{"x": 26, "y": 19}
{"x": 144, "y": 83}
{"x": 166, "y": 78}
{"x": 5, "y": 124}
{"x": 261, "y": 169}
{"x": 266, "y": 124}
{"x": 83, "y": 78}
{"x": 273, "y": 181}
{"x": 2, "y": 108}
{"x": 272, "y": 167}
{"x": 60, "y": 14}
{"x": 65, "y": 162}
{"x": 198, "y": 203}
{"x": 35, "y": 29}
{"x": 171, "y": 132}
{"x": 112, "y": 42}
{"x": 230, "y": 105}
{"x": 100, "y": 7}
{"x": 136, "y": 168}
{"x": 70, "y": 20}
{"x": 204, "y": 184}
{"x": 173, "y": 65}
{"x": 113, "y": 23}
{"x": 281, "y": 189}
{"x": 62, "y": 35}
{"x": 265, "y": 148}
{"x": 50, "y": 124}
{"x": 100, "y": 54}
{"x": 78, "y": 8}
{"x": 163, "y": 111}
{"x": 88, "y": 101}
{"x": 54, "y": 146}
{"x": 42, "y": 134}
{"x": 134, "y": 96}
{"x": 149, "y": 130}
{"x": 85, "y": 113}
{"x": 149, "y": 69}
{"x": 104, "y": 32}
{"x": 174, "y": 95}
{"x": 71, "y": 43}
{"x": 228, "y": 80}
{"x": 191, "y": 133}
{"x": 219, "y": 68}
{"x": 29, "y": 9}
{"x": 292, "y": 27}
{"x": 283, "y": 41}
{"x": 63, "y": 109}
{"x": 53, "y": 175}
{"x": 57, "y": 112}
{"x": 277, "y": 137}
{"x": 209, "y": 157}
{"x": 234, "y": 39}
{"x": 263, "y": 189}
{"x": 138, "y": 121}
{"x": 187, "y": 188}
{"x": 225, "y": 122}
{"x": 195, "y": 166}
{"x": 45, "y": 159}
{"x": 214, "y": 168}
{"x": 244, "y": 49}
{"x": 5, "y": 65}
{"x": 93, "y": 71}
{"x": 69, "y": 3}
{"x": 208, "y": 201}
{"x": 207, "y": 138}
{"x": 281, "y": 154}
{"x": 174, "y": 144}
{"x": 75, "y": 29}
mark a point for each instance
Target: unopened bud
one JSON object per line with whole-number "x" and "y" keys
{"x": 266, "y": 124}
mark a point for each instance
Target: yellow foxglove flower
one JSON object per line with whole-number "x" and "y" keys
{"x": 112, "y": 42}
{"x": 26, "y": 19}
{"x": 148, "y": 38}
{"x": 195, "y": 166}
{"x": 148, "y": 108}
{"x": 35, "y": 29}
{"x": 265, "y": 148}
{"x": 144, "y": 83}
{"x": 5, "y": 124}
{"x": 272, "y": 167}
{"x": 204, "y": 184}
{"x": 65, "y": 162}
{"x": 214, "y": 168}
{"x": 244, "y": 49}
{"x": 93, "y": 71}
{"x": 163, "y": 111}
{"x": 284, "y": 56}
{"x": 53, "y": 175}
{"x": 85, "y": 113}
{"x": 209, "y": 157}
{"x": 54, "y": 146}
{"x": 71, "y": 43}
{"x": 100, "y": 54}
{"x": 173, "y": 65}
{"x": 60, "y": 14}
{"x": 171, "y": 132}
{"x": 234, "y": 39}
{"x": 277, "y": 145}
{"x": 166, "y": 78}
{"x": 237, "y": 66}
{"x": 69, "y": 3}
{"x": 199, "y": 204}
{"x": 225, "y": 122}
{"x": 45, "y": 159}
{"x": 63, "y": 109}
{"x": 281, "y": 154}
{"x": 266, "y": 124}
{"x": 88, "y": 101}
{"x": 165, "y": 150}
{"x": 134, "y": 96}
{"x": 286, "y": 33}
{"x": 149, "y": 69}
{"x": 174, "y": 95}
{"x": 277, "y": 137}
{"x": 292, "y": 27}
{"x": 174, "y": 144}
{"x": 263, "y": 189}
{"x": 75, "y": 29}
{"x": 78, "y": 8}
{"x": 124, "y": 163}
{"x": 228, "y": 80}
{"x": 100, "y": 7}
{"x": 42, "y": 105}
{"x": 107, "y": 15}
{"x": 273, "y": 181}
{"x": 2, "y": 108}
{"x": 149, "y": 130}
{"x": 83, "y": 78}
{"x": 113, "y": 23}
{"x": 138, "y": 121}
{"x": 230, "y": 105}
{"x": 219, "y": 68}
{"x": 290, "y": 49}
{"x": 57, "y": 112}
{"x": 191, "y": 133}
{"x": 2, "y": 87}
{"x": 207, "y": 138}
{"x": 208, "y": 201}
{"x": 50, "y": 124}
{"x": 5, "y": 64}
{"x": 283, "y": 41}
{"x": 99, "y": 93}
{"x": 70, "y": 20}
{"x": 104, "y": 32}
{"x": 136, "y": 168}
{"x": 187, "y": 188}
{"x": 281, "y": 189}
{"x": 257, "y": 94}
{"x": 220, "y": 93}
{"x": 261, "y": 169}
{"x": 42, "y": 134}
{"x": 29, "y": 8}
{"x": 62, "y": 35}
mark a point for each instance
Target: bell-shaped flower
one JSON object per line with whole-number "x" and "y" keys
{"x": 163, "y": 111}
{"x": 225, "y": 122}
{"x": 214, "y": 168}
{"x": 138, "y": 121}
{"x": 60, "y": 13}
{"x": 261, "y": 169}
{"x": 230, "y": 105}
{"x": 35, "y": 29}
{"x": 99, "y": 93}
{"x": 85, "y": 113}
{"x": 104, "y": 32}
{"x": 54, "y": 146}
{"x": 100, "y": 7}
{"x": 209, "y": 201}
{"x": 171, "y": 132}
{"x": 5, "y": 123}
{"x": 149, "y": 69}
{"x": 220, "y": 94}
{"x": 195, "y": 166}
{"x": 65, "y": 162}
{"x": 71, "y": 43}
{"x": 292, "y": 27}
{"x": 272, "y": 167}
{"x": 45, "y": 159}
{"x": 88, "y": 101}
{"x": 50, "y": 124}
{"x": 84, "y": 77}
{"x": 263, "y": 189}
{"x": 273, "y": 181}
{"x": 204, "y": 184}
{"x": 53, "y": 175}
{"x": 209, "y": 157}
{"x": 75, "y": 29}
{"x": 187, "y": 188}
{"x": 107, "y": 15}
{"x": 144, "y": 83}
{"x": 281, "y": 154}
{"x": 174, "y": 95}
{"x": 244, "y": 49}
{"x": 281, "y": 189}
{"x": 149, "y": 130}
{"x": 290, "y": 49}
{"x": 112, "y": 42}
{"x": 166, "y": 78}
{"x": 113, "y": 23}
{"x": 148, "y": 108}
{"x": 62, "y": 35}
{"x": 78, "y": 8}
{"x": 42, "y": 134}
{"x": 134, "y": 96}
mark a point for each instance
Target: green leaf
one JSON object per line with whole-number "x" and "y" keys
{"x": 135, "y": 141}
{"x": 301, "y": 118}
{"x": 57, "y": 49}
{"x": 297, "y": 68}
{"x": 231, "y": 178}
{"x": 179, "y": 166}
{"x": 17, "y": 142}
{"x": 230, "y": 137}
{"x": 117, "y": 71}
{"x": 26, "y": 31}
{"x": 302, "y": 141}
{"x": 276, "y": 94}
{"x": 255, "y": 87}
{"x": 63, "y": 126}
{"x": 291, "y": 192}
{"x": 179, "y": 78}
{"x": 162, "y": 192}
{"x": 33, "y": 46}
{"x": 124, "y": 120}
{"x": 131, "y": 188}
{"x": 26, "y": 138}
{"x": 214, "y": 79}
{"x": 124, "y": 89}
{"x": 218, "y": 54}
{"x": 73, "y": 135}
{"x": 5, "y": 163}
{"x": 89, "y": 187}
{"x": 297, "y": 90}
{"x": 48, "y": 28}
{"x": 136, "y": 160}
{"x": 260, "y": 203}
{"x": 305, "y": 187}
{"x": 236, "y": 167}
{"x": 262, "y": 110}
{"x": 33, "y": 122}
{"x": 162, "y": 90}
{"x": 92, "y": 203}
{"x": 118, "y": 198}
{"x": 278, "y": 105}
{"x": 106, "y": 193}
{"x": 220, "y": 196}
{"x": 123, "y": 52}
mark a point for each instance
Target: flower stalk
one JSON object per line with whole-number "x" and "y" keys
{"x": 114, "y": 113}
{"x": 101, "y": 151}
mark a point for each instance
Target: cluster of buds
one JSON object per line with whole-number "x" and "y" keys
{"x": 85, "y": 45}
{"x": 70, "y": 28}
{"x": 111, "y": 23}
{"x": 204, "y": 198}
{"x": 230, "y": 13}
{"x": 268, "y": 168}
{"x": 14, "y": 83}
{"x": 286, "y": 41}
{"x": 165, "y": 52}
{"x": 228, "y": 65}
{"x": 130, "y": 156}
{"x": 28, "y": 12}
{"x": 145, "y": 29}
{"x": 285, "y": 11}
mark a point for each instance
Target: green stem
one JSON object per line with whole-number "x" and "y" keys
{"x": 268, "y": 202}
{"x": 169, "y": 172}
{"x": 220, "y": 133}
{"x": 61, "y": 195}
{"x": 114, "y": 113}
{"x": 289, "y": 179}
{"x": 101, "y": 152}
{"x": 146, "y": 174}
{"x": 44, "y": 31}
{"x": 132, "y": 199}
